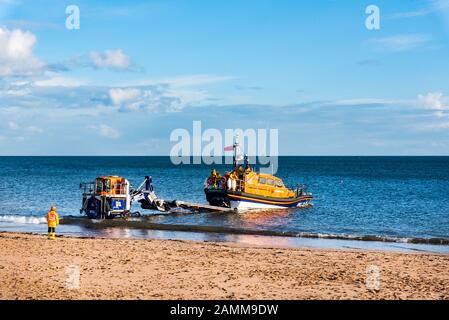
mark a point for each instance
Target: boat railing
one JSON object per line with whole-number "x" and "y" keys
{"x": 300, "y": 190}
{"x": 221, "y": 184}
{"x": 240, "y": 185}
{"x": 90, "y": 188}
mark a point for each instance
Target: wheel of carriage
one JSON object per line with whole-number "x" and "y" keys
{"x": 136, "y": 214}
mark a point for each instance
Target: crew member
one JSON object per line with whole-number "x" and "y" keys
{"x": 229, "y": 180}
{"x": 52, "y": 221}
{"x": 214, "y": 178}
{"x": 240, "y": 172}
{"x": 217, "y": 179}
{"x": 248, "y": 168}
{"x": 211, "y": 179}
{"x": 232, "y": 181}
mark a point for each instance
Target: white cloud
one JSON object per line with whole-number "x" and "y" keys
{"x": 12, "y": 125}
{"x": 149, "y": 98}
{"x": 434, "y": 6}
{"x": 172, "y": 94}
{"x": 185, "y": 81}
{"x": 194, "y": 80}
{"x": 435, "y": 126}
{"x": 399, "y": 42}
{"x": 439, "y": 103}
{"x": 34, "y": 129}
{"x": 64, "y": 96}
{"x": 16, "y": 53}
{"x": 188, "y": 96}
{"x": 107, "y": 131}
{"x": 411, "y": 14}
{"x": 122, "y": 95}
{"x": 365, "y": 101}
{"x": 59, "y": 81}
{"x": 435, "y": 101}
{"x": 113, "y": 59}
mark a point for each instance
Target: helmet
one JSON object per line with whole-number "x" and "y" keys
{"x": 53, "y": 208}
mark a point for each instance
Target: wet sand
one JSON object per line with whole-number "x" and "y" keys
{"x": 32, "y": 267}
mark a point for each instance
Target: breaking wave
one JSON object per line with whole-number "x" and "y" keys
{"x": 22, "y": 219}
{"x": 143, "y": 223}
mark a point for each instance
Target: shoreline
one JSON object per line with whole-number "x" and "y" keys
{"x": 141, "y": 228}
{"x": 32, "y": 267}
{"x": 258, "y": 241}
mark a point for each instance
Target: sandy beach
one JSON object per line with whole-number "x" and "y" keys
{"x": 32, "y": 267}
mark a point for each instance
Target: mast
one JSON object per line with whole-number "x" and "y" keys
{"x": 234, "y": 155}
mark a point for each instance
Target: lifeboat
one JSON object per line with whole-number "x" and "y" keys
{"x": 256, "y": 191}
{"x": 242, "y": 190}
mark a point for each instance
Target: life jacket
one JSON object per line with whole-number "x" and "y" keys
{"x": 52, "y": 218}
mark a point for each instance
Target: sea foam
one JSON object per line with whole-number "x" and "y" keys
{"x": 23, "y": 219}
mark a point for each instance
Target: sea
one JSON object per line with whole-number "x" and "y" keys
{"x": 381, "y": 203}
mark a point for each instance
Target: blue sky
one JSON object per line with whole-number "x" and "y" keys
{"x": 136, "y": 70}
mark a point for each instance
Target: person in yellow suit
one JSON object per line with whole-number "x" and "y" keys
{"x": 52, "y": 221}
{"x": 232, "y": 181}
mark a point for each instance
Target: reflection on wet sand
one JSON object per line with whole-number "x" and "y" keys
{"x": 248, "y": 232}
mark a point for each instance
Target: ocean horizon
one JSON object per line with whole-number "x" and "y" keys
{"x": 377, "y": 198}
